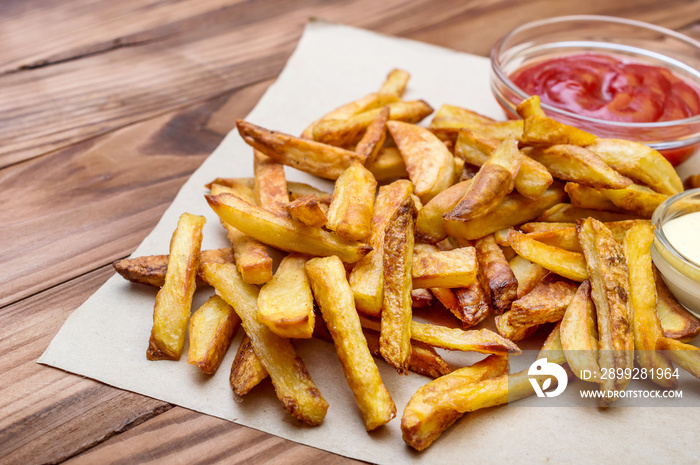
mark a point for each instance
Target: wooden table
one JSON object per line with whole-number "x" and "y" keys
{"x": 106, "y": 108}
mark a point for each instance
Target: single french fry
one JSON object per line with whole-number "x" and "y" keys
{"x": 270, "y": 184}
{"x": 542, "y": 130}
{"x": 646, "y": 327}
{"x": 446, "y": 269}
{"x": 295, "y": 189}
{"x": 367, "y": 277}
{"x": 577, "y": 164}
{"x": 546, "y": 303}
{"x": 247, "y": 371}
{"x": 530, "y": 107}
{"x": 388, "y": 165}
{"x": 583, "y": 196}
{"x": 638, "y": 200}
{"x": 579, "y": 335}
{"x": 373, "y": 140}
{"x": 449, "y": 119}
{"x": 498, "y": 275}
{"x": 527, "y": 274}
{"x": 567, "y": 213}
{"x": 308, "y": 209}
{"x": 283, "y": 233}
{"x": 609, "y": 279}
{"x": 429, "y": 163}
{"x": 395, "y": 82}
{"x": 174, "y": 300}
{"x": 285, "y": 303}
{"x": 424, "y": 359}
{"x": 313, "y": 157}
{"x": 539, "y": 226}
{"x": 684, "y": 355}
{"x": 430, "y": 225}
{"x": 482, "y": 341}
{"x": 564, "y": 238}
{"x": 426, "y": 417}
{"x": 491, "y": 184}
{"x": 211, "y": 330}
{"x": 515, "y": 209}
{"x": 337, "y": 304}
{"x": 571, "y": 265}
{"x": 352, "y": 204}
{"x": 293, "y": 384}
{"x": 640, "y": 162}
{"x": 676, "y": 321}
{"x": 395, "y": 333}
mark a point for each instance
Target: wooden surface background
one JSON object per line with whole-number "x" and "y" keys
{"x": 106, "y": 107}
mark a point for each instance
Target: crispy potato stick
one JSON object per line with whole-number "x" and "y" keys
{"x": 450, "y": 119}
{"x": 429, "y": 163}
{"x": 639, "y": 200}
{"x": 530, "y": 107}
{"x": 349, "y": 131}
{"x": 174, "y": 300}
{"x": 491, "y": 184}
{"x": 350, "y": 213}
{"x": 292, "y": 382}
{"x": 527, "y": 274}
{"x": 565, "y": 238}
{"x": 422, "y": 298}
{"x": 571, "y": 265}
{"x": 295, "y": 189}
{"x": 448, "y": 269}
{"x": 337, "y": 304}
{"x": 676, "y": 321}
{"x": 515, "y": 209}
{"x": 469, "y": 304}
{"x": 583, "y": 196}
{"x": 367, "y": 277}
{"x": 395, "y": 337}
{"x": 395, "y": 82}
{"x": 577, "y": 164}
{"x": 388, "y": 165}
{"x": 430, "y": 226}
{"x": 426, "y": 416}
{"x": 546, "y": 303}
{"x": 684, "y": 355}
{"x": 537, "y": 226}
{"x": 251, "y": 256}
{"x": 307, "y": 209}
{"x": 211, "y": 330}
{"x": 542, "y": 130}
{"x": 567, "y": 213}
{"x": 247, "y": 371}
{"x": 424, "y": 359}
{"x": 151, "y": 269}
{"x": 646, "y": 327}
{"x": 482, "y": 341}
{"x": 368, "y": 102}
{"x": 579, "y": 334}
{"x": 610, "y": 292}
{"x": 313, "y": 157}
{"x": 373, "y": 140}
{"x": 285, "y": 303}
{"x": 640, "y": 162}
{"x": 283, "y": 233}
{"x": 498, "y": 275}
{"x": 270, "y": 184}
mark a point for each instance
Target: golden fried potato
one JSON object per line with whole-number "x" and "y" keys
{"x": 579, "y": 334}
{"x": 293, "y": 384}
{"x": 395, "y": 332}
{"x": 285, "y": 303}
{"x": 309, "y": 210}
{"x": 211, "y": 330}
{"x": 270, "y": 184}
{"x": 283, "y": 233}
{"x": 367, "y": 277}
{"x": 498, "y": 276}
{"x": 542, "y": 130}
{"x": 684, "y": 355}
{"x": 373, "y": 140}
{"x": 174, "y": 300}
{"x": 395, "y": 82}
{"x": 430, "y": 225}
{"x": 429, "y": 163}
{"x": 295, "y": 189}
{"x": 337, "y": 304}
{"x": 526, "y": 273}
{"x": 565, "y": 238}
{"x": 540, "y": 226}
{"x": 482, "y": 341}
{"x": 571, "y": 265}
{"x": 676, "y": 321}
{"x": 546, "y": 303}
{"x": 640, "y": 162}
{"x": 325, "y": 161}
{"x": 422, "y": 298}
{"x": 388, "y": 166}
{"x": 247, "y": 371}
{"x": 352, "y": 204}
{"x": 530, "y": 107}
{"x": 567, "y": 213}
{"x": 646, "y": 327}
{"x": 424, "y": 359}
{"x": 583, "y": 196}
{"x": 446, "y": 269}
{"x": 609, "y": 279}
{"x": 515, "y": 209}
{"x": 449, "y": 119}
{"x": 636, "y": 199}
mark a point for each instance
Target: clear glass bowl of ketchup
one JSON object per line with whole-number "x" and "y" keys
{"x": 614, "y": 77}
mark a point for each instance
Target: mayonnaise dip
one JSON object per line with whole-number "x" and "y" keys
{"x": 684, "y": 235}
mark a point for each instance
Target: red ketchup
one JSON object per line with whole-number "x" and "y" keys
{"x": 611, "y": 88}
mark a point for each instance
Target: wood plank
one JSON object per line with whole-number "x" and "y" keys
{"x": 184, "y": 436}
{"x": 47, "y": 415}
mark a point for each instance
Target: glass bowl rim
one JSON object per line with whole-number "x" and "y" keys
{"x": 496, "y": 67}
{"x": 658, "y": 222}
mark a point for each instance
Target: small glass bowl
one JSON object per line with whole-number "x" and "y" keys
{"x": 634, "y": 40}
{"x": 680, "y": 274}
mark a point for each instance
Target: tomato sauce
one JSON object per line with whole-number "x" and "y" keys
{"x": 610, "y": 88}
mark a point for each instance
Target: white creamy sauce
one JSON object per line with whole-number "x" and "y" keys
{"x": 684, "y": 235}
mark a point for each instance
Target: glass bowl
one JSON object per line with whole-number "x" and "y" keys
{"x": 624, "y": 38}
{"x": 681, "y": 275}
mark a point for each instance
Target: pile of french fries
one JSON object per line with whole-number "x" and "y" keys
{"x": 512, "y": 225}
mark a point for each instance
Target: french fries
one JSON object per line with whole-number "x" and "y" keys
{"x": 247, "y": 371}
{"x": 676, "y": 321}
{"x": 684, "y": 355}
{"x": 446, "y": 269}
{"x": 371, "y": 143}
{"x": 308, "y": 210}
{"x": 337, "y": 304}
{"x": 174, "y": 300}
{"x": 571, "y": 265}
{"x": 350, "y": 212}
{"x": 211, "y": 329}
{"x": 430, "y": 226}
{"x": 527, "y": 274}
{"x": 542, "y": 130}
{"x": 498, "y": 276}
{"x": 636, "y": 199}
{"x": 270, "y": 184}
{"x": 293, "y": 384}
{"x": 579, "y": 334}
